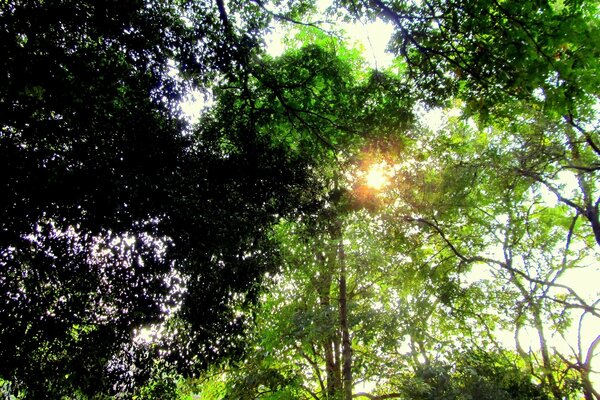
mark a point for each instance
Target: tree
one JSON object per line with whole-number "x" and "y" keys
{"x": 526, "y": 75}
{"x": 114, "y": 214}
{"x": 502, "y": 230}
{"x": 317, "y": 102}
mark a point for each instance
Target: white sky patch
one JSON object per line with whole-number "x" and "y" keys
{"x": 539, "y": 95}
{"x": 372, "y": 38}
{"x": 436, "y": 118}
{"x": 195, "y": 103}
{"x": 274, "y": 41}
{"x": 148, "y": 334}
{"x": 567, "y": 184}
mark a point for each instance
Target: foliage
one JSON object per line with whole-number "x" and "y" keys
{"x": 474, "y": 376}
{"x": 248, "y": 243}
{"x": 115, "y": 215}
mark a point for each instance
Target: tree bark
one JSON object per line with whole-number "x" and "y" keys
{"x": 330, "y": 342}
{"x": 588, "y": 387}
{"x": 346, "y": 342}
{"x": 547, "y": 364}
{"x": 591, "y": 213}
{"x": 332, "y": 367}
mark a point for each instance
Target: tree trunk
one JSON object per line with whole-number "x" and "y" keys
{"x": 331, "y": 341}
{"x": 592, "y": 215}
{"x": 588, "y": 387}
{"x": 547, "y": 364}
{"x": 332, "y": 368}
{"x": 338, "y": 365}
{"x": 346, "y": 343}
{"x": 585, "y": 180}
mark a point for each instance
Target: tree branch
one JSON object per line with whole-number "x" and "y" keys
{"x": 506, "y": 266}
{"x": 223, "y": 15}
{"x": 570, "y": 119}
{"x": 442, "y": 235}
{"x": 407, "y": 37}
{"x": 593, "y": 168}
{"x": 378, "y": 397}
{"x": 536, "y": 177}
{"x": 590, "y": 352}
{"x": 312, "y": 394}
{"x": 282, "y": 17}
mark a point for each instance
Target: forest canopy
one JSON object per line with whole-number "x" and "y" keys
{"x": 310, "y": 235}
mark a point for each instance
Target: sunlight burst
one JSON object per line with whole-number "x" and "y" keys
{"x": 378, "y": 175}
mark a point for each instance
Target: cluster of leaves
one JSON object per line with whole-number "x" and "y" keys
{"x": 476, "y": 376}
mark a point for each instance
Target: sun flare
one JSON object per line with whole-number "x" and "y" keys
{"x": 378, "y": 175}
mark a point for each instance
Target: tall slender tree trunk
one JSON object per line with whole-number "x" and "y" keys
{"x": 588, "y": 387}
{"x": 590, "y": 207}
{"x": 346, "y": 343}
{"x": 332, "y": 369}
{"x": 332, "y": 363}
{"x": 547, "y": 364}
{"x": 338, "y": 365}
